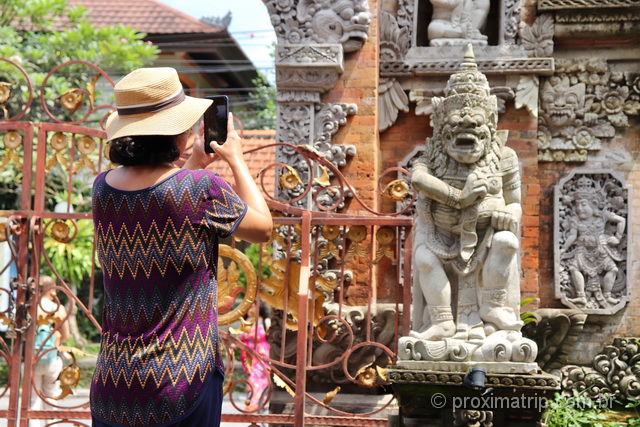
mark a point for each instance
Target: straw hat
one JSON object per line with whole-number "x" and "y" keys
{"x": 151, "y": 101}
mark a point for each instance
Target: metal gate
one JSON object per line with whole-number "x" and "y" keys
{"x": 335, "y": 284}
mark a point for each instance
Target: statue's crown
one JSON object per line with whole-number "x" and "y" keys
{"x": 585, "y": 189}
{"x": 468, "y": 80}
{"x": 469, "y": 87}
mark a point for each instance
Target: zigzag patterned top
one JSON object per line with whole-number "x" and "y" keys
{"x": 158, "y": 250}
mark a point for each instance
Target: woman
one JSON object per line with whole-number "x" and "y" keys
{"x": 157, "y": 230}
{"x": 256, "y": 370}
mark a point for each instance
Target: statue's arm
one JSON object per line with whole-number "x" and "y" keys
{"x": 434, "y": 188}
{"x": 571, "y": 238}
{"x": 475, "y": 188}
{"x": 621, "y": 223}
{"x": 510, "y": 216}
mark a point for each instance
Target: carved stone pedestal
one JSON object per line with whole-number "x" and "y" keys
{"x": 438, "y": 398}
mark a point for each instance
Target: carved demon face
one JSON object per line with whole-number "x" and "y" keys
{"x": 562, "y": 103}
{"x": 466, "y": 134}
{"x": 345, "y": 22}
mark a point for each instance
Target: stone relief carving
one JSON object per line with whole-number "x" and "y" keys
{"x": 468, "y": 217}
{"x": 592, "y": 212}
{"x": 344, "y": 22}
{"x": 555, "y": 333}
{"x": 394, "y": 42}
{"x": 537, "y": 41}
{"x": 313, "y": 125}
{"x": 614, "y": 373}
{"x": 313, "y": 36}
{"x": 580, "y": 107}
{"x": 458, "y": 22}
{"x": 472, "y": 418}
{"x": 579, "y": 4}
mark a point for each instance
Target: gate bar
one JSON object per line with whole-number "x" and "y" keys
{"x": 303, "y": 296}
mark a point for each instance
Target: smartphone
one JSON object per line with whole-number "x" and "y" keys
{"x": 215, "y": 121}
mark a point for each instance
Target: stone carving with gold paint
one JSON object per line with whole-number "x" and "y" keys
{"x": 466, "y": 234}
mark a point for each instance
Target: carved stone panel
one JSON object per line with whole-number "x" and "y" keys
{"x": 591, "y": 241}
{"x": 581, "y": 106}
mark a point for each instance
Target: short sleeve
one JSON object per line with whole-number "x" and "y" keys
{"x": 224, "y": 209}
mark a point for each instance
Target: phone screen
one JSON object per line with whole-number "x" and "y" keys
{"x": 215, "y": 121}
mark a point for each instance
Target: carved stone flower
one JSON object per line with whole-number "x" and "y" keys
{"x": 635, "y": 85}
{"x": 613, "y": 102}
{"x": 283, "y": 6}
{"x": 295, "y": 36}
{"x": 583, "y": 137}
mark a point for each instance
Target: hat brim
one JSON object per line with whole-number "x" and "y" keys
{"x": 172, "y": 121}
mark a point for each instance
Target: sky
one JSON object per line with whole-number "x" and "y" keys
{"x": 250, "y": 25}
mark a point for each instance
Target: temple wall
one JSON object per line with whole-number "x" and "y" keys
{"x": 531, "y": 43}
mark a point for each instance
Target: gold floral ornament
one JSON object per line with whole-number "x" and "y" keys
{"x": 385, "y": 236}
{"x": 58, "y": 142}
{"x": 323, "y": 180}
{"x": 289, "y": 178}
{"x": 4, "y": 319}
{"x": 396, "y": 190}
{"x": 3, "y": 228}
{"x": 330, "y": 395}
{"x": 60, "y": 231}
{"x": 12, "y": 141}
{"x": 69, "y": 377}
{"x": 331, "y": 233}
{"x": 357, "y": 234}
{"x": 86, "y": 146}
{"x": 371, "y": 375}
{"x": 71, "y": 100}
{"x": 5, "y": 93}
{"x": 279, "y": 233}
{"x": 228, "y": 288}
{"x": 275, "y": 288}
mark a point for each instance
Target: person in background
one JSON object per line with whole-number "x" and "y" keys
{"x": 53, "y": 330}
{"x": 256, "y": 369}
{"x": 156, "y": 231}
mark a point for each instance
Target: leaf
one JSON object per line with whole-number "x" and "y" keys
{"x": 280, "y": 383}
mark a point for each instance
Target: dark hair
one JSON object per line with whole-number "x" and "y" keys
{"x": 143, "y": 150}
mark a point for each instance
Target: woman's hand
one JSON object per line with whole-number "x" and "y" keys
{"x": 231, "y": 150}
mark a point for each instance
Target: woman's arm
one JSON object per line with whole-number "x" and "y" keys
{"x": 256, "y": 225}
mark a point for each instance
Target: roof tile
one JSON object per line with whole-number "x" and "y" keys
{"x": 148, "y": 16}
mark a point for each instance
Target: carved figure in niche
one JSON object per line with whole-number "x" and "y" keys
{"x": 593, "y": 235}
{"x": 468, "y": 216}
{"x": 458, "y": 22}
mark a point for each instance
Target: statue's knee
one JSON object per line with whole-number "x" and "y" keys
{"x": 426, "y": 261}
{"x": 506, "y": 242}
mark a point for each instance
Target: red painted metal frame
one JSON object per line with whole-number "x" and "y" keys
{"x": 29, "y": 225}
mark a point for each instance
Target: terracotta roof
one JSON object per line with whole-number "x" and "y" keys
{"x": 256, "y": 160}
{"x": 147, "y": 16}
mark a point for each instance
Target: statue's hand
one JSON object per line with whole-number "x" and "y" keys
{"x": 504, "y": 220}
{"x": 613, "y": 241}
{"x": 474, "y": 189}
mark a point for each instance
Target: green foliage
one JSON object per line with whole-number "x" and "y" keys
{"x": 253, "y": 253}
{"x": 580, "y": 411}
{"x": 264, "y": 97}
{"x": 529, "y": 317}
{"x": 31, "y": 37}
{"x": 73, "y": 261}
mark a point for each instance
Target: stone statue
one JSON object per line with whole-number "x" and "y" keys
{"x": 458, "y": 22}
{"x": 592, "y": 243}
{"x": 466, "y": 230}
